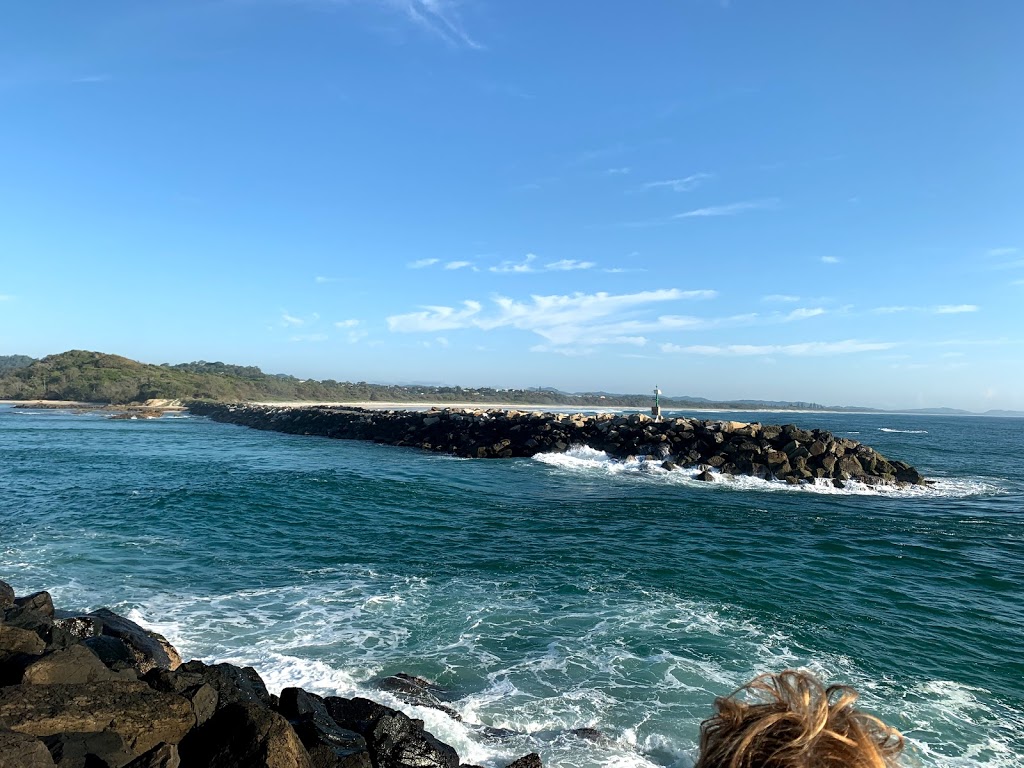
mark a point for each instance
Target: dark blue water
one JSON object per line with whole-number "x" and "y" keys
{"x": 551, "y": 593}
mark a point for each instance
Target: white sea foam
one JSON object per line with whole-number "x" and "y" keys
{"x": 904, "y": 431}
{"x": 586, "y": 460}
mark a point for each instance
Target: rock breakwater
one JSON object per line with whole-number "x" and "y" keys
{"x": 770, "y": 452}
{"x": 98, "y": 691}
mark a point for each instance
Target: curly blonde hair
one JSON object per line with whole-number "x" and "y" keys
{"x": 795, "y": 722}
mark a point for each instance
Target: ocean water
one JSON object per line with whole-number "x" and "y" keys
{"x": 545, "y": 594}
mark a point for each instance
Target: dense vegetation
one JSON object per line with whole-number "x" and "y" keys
{"x": 10, "y": 362}
{"x": 99, "y": 378}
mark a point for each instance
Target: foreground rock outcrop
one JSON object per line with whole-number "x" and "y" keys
{"x": 759, "y": 450}
{"x": 99, "y": 691}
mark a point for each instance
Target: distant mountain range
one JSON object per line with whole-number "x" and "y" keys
{"x": 101, "y": 378}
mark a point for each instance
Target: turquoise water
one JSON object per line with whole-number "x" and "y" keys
{"x": 548, "y": 593}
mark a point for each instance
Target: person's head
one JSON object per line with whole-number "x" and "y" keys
{"x": 791, "y": 720}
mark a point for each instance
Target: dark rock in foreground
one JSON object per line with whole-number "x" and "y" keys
{"x": 734, "y": 448}
{"x": 99, "y": 691}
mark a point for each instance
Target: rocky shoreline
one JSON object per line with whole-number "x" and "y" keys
{"x": 98, "y": 691}
{"x": 770, "y": 452}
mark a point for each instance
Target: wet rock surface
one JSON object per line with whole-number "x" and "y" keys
{"x": 771, "y": 452}
{"x": 99, "y": 691}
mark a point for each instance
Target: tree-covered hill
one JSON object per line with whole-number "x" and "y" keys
{"x": 10, "y": 362}
{"x": 101, "y": 378}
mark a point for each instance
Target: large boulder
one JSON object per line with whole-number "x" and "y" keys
{"x": 191, "y": 685}
{"x": 244, "y": 736}
{"x": 328, "y": 744}
{"x": 17, "y": 640}
{"x": 87, "y": 750}
{"x": 161, "y": 756}
{"x": 76, "y": 664}
{"x": 394, "y": 740}
{"x": 19, "y": 750}
{"x": 6, "y": 595}
{"x": 234, "y": 685}
{"x": 37, "y": 601}
{"x": 140, "y": 716}
{"x": 149, "y": 648}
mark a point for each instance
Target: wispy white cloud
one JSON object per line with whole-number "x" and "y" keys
{"x": 804, "y": 349}
{"x": 684, "y": 184}
{"x": 351, "y": 323}
{"x": 436, "y": 318}
{"x": 561, "y": 320}
{"x": 567, "y": 265}
{"x": 421, "y": 263}
{"x": 624, "y": 170}
{"x": 526, "y": 265}
{"x": 731, "y": 209}
{"x": 622, "y": 270}
{"x": 458, "y": 264}
{"x": 291, "y": 320}
{"x": 830, "y": 260}
{"x": 804, "y": 312}
{"x": 941, "y": 309}
{"x": 780, "y": 298}
{"x": 439, "y": 17}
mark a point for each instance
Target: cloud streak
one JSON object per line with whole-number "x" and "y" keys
{"x": 804, "y": 349}
{"x": 527, "y": 265}
{"x": 684, "y": 184}
{"x": 941, "y": 309}
{"x": 579, "y": 319}
{"x": 732, "y": 209}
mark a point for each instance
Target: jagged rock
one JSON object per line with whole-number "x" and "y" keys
{"x": 416, "y": 691}
{"x": 79, "y": 627}
{"x": 16, "y": 640}
{"x": 328, "y": 744}
{"x": 393, "y": 739}
{"x": 192, "y": 686}
{"x": 6, "y": 595}
{"x": 531, "y": 760}
{"x": 706, "y": 477}
{"x": 138, "y": 715}
{"x": 150, "y": 649}
{"x": 161, "y": 756}
{"x": 102, "y": 749}
{"x": 19, "y": 750}
{"x": 37, "y": 601}
{"x": 234, "y": 685}
{"x": 76, "y": 664}
{"x": 112, "y": 651}
{"x": 25, "y": 617}
{"x": 244, "y": 736}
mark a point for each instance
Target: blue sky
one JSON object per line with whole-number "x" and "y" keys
{"x": 788, "y": 200}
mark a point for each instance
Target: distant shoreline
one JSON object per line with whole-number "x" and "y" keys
{"x": 377, "y": 405}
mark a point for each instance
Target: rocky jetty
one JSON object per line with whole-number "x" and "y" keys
{"x": 771, "y": 452}
{"x": 98, "y": 691}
